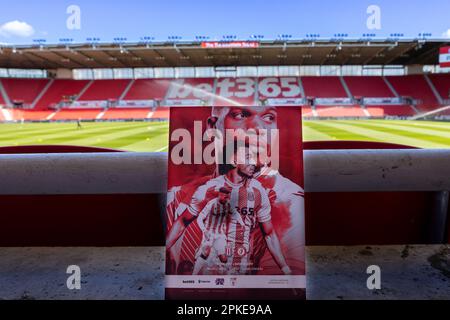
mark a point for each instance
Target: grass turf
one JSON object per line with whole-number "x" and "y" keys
{"x": 148, "y": 136}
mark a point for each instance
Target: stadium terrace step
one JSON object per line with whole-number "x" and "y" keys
{"x": 408, "y": 272}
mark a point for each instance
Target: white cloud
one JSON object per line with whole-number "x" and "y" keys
{"x": 16, "y": 28}
{"x": 446, "y": 34}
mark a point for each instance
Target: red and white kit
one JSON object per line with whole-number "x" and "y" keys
{"x": 286, "y": 200}
{"x": 249, "y": 205}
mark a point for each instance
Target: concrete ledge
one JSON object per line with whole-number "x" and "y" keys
{"x": 125, "y": 173}
{"x": 407, "y": 272}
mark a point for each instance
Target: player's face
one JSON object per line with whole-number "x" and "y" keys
{"x": 246, "y": 162}
{"x": 224, "y": 197}
{"x": 246, "y": 118}
{"x": 263, "y": 120}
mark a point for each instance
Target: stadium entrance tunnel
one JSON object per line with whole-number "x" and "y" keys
{"x": 357, "y": 193}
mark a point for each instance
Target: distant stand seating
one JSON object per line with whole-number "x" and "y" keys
{"x": 415, "y": 86}
{"x": 368, "y": 86}
{"x": 104, "y": 90}
{"x": 340, "y": 111}
{"x": 147, "y": 99}
{"x": 126, "y": 114}
{"x": 323, "y": 87}
{"x": 442, "y": 84}
{"x": 383, "y": 111}
{"x": 79, "y": 114}
{"x": 24, "y": 90}
{"x": 64, "y": 91}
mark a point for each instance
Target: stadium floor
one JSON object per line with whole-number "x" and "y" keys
{"x": 147, "y": 136}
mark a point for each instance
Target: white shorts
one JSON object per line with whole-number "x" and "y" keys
{"x": 218, "y": 241}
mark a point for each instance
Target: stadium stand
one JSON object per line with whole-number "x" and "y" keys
{"x": 323, "y": 87}
{"x": 31, "y": 115}
{"x": 148, "y": 89}
{"x": 445, "y": 113}
{"x": 104, "y": 90}
{"x": 77, "y": 114}
{"x": 138, "y": 97}
{"x": 383, "y": 111}
{"x": 60, "y": 90}
{"x": 368, "y": 86}
{"x": 340, "y": 111}
{"x": 307, "y": 111}
{"x": 24, "y": 90}
{"x": 442, "y": 84}
{"x": 415, "y": 86}
{"x": 126, "y": 114}
{"x": 161, "y": 113}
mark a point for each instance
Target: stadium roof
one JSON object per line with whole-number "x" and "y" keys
{"x": 190, "y": 54}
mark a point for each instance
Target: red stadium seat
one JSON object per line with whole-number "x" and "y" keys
{"x": 415, "y": 86}
{"x": 101, "y": 91}
{"x": 368, "y": 86}
{"x": 31, "y": 115}
{"x": 60, "y": 90}
{"x": 105, "y": 90}
{"x": 383, "y": 111}
{"x": 323, "y": 87}
{"x": 26, "y": 90}
{"x": 161, "y": 113}
{"x": 77, "y": 114}
{"x": 340, "y": 111}
{"x": 442, "y": 84}
{"x": 307, "y": 112}
{"x": 148, "y": 89}
{"x": 128, "y": 113}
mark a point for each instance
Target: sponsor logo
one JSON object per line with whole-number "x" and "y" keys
{"x": 220, "y": 281}
{"x": 231, "y": 44}
{"x": 189, "y": 281}
{"x": 204, "y": 281}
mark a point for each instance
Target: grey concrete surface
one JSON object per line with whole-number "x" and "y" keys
{"x": 407, "y": 272}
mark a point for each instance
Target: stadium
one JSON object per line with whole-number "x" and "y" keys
{"x": 358, "y": 90}
{"x": 87, "y": 178}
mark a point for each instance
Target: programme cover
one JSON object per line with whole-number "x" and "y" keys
{"x": 235, "y": 206}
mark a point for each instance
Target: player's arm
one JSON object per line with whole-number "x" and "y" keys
{"x": 184, "y": 220}
{"x": 203, "y": 214}
{"x": 178, "y": 228}
{"x": 272, "y": 241}
{"x": 273, "y": 244}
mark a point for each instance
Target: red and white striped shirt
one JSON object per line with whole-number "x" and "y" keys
{"x": 248, "y": 200}
{"x": 215, "y": 216}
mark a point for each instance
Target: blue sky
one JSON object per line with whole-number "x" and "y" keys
{"x": 25, "y": 22}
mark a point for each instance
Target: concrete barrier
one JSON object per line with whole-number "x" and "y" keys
{"x": 134, "y": 173}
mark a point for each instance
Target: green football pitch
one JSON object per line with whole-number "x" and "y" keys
{"x": 153, "y": 136}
